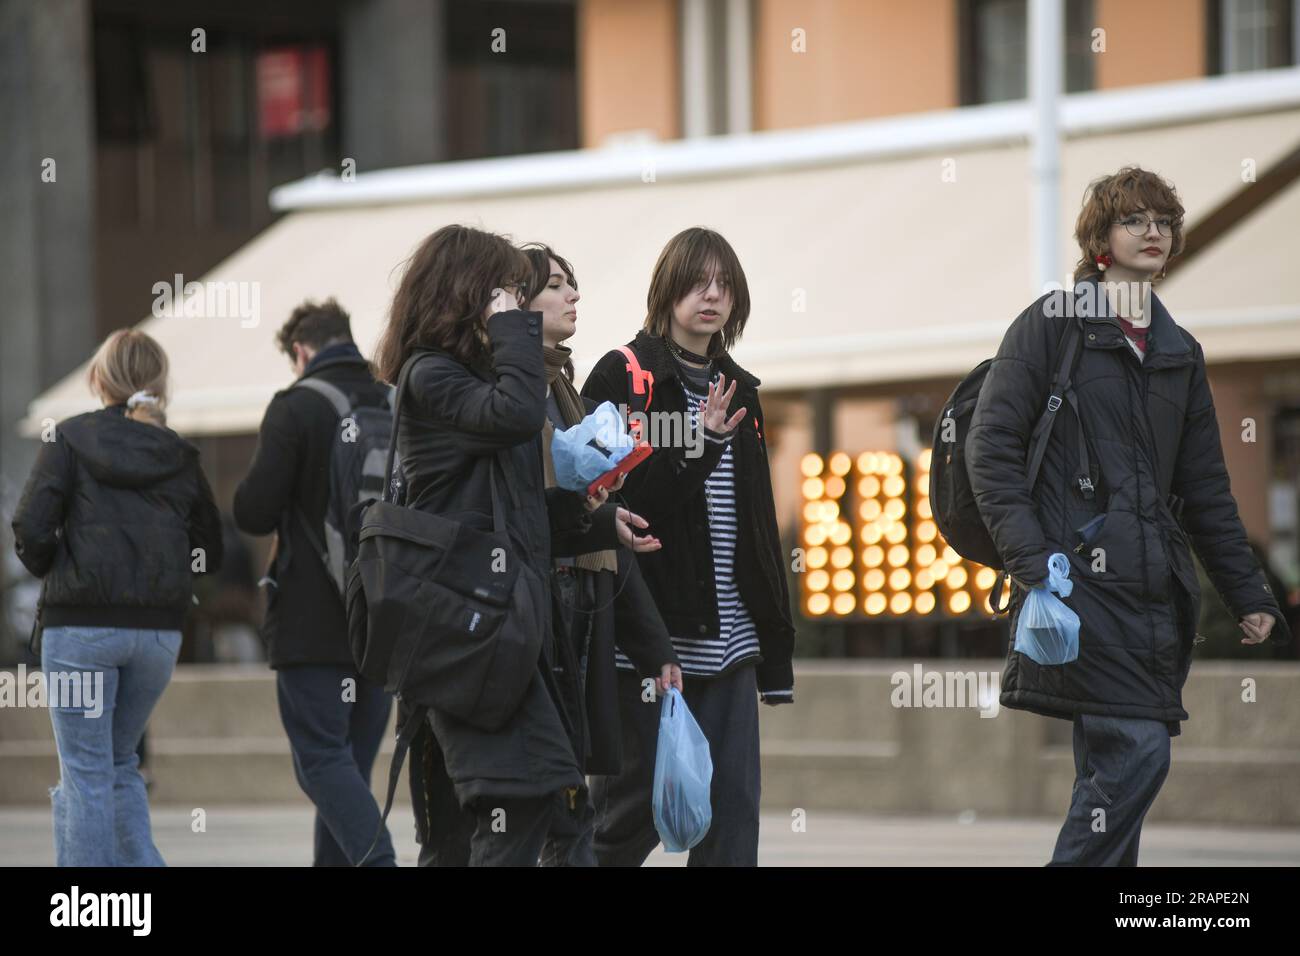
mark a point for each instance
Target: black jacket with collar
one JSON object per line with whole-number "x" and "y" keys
{"x": 1161, "y": 489}
{"x": 304, "y": 622}
{"x": 668, "y": 491}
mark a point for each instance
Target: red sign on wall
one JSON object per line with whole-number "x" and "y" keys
{"x": 293, "y": 93}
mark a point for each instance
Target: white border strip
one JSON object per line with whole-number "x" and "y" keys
{"x": 969, "y": 127}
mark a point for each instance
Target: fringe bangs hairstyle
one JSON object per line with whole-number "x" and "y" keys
{"x": 1114, "y": 197}
{"x": 691, "y": 258}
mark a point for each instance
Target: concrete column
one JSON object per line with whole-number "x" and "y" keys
{"x": 47, "y": 267}
{"x": 394, "y": 89}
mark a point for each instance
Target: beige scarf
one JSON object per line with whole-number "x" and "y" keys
{"x": 571, "y": 410}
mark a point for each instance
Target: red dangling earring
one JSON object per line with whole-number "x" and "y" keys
{"x": 1104, "y": 260}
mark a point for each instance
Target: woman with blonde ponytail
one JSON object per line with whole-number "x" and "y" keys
{"x": 116, "y": 518}
{"x": 130, "y": 369}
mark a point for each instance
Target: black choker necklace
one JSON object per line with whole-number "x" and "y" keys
{"x": 686, "y": 355}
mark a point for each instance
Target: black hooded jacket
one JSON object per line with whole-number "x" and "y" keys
{"x": 116, "y": 517}
{"x": 1161, "y": 490}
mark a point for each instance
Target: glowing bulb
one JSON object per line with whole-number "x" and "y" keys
{"x": 811, "y": 465}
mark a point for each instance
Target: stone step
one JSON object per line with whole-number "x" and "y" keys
{"x": 216, "y": 738}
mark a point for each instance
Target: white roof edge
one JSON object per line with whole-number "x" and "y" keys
{"x": 959, "y": 128}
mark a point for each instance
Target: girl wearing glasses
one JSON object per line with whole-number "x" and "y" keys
{"x": 1129, "y": 487}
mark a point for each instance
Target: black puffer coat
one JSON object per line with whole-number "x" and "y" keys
{"x": 111, "y": 517}
{"x": 454, "y": 422}
{"x": 1155, "y": 452}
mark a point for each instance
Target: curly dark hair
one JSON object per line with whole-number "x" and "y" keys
{"x": 1114, "y": 197}
{"x": 439, "y": 303}
{"x": 315, "y": 325}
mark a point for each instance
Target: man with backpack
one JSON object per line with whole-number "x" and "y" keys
{"x": 320, "y": 451}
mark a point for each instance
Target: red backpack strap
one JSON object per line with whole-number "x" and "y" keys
{"x": 640, "y": 382}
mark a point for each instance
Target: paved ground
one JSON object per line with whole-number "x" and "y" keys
{"x": 281, "y": 836}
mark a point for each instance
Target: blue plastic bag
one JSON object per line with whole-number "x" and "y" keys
{"x": 585, "y": 451}
{"x": 683, "y": 776}
{"x": 1047, "y": 631}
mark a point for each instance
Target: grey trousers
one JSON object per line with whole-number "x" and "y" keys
{"x": 1120, "y": 764}
{"x": 726, "y": 708}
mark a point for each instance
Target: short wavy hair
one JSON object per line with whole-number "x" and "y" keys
{"x": 1113, "y": 197}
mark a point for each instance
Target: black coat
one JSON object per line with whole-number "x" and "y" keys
{"x": 1153, "y": 439}
{"x": 110, "y": 518}
{"x": 668, "y": 491}
{"x": 305, "y": 622}
{"x": 455, "y": 420}
{"x": 623, "y": 614}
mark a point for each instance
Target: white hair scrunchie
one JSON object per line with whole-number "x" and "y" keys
{"x": 141, "y": 398}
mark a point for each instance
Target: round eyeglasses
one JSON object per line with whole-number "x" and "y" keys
{"x": 1138, "y": 224}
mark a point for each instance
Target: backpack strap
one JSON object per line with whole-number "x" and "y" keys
{"x": 1061, "y": 389}
{"x": 405, "y": 734}
{"x": 332, "y": 393}
{"x": 1061, "y": 392}
{"x": 640, "y": 382}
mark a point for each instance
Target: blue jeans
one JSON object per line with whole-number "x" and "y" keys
{"x": 334, "y": 743}
{"x": 101, "y": 811}
{"x": 1120, "y": 764}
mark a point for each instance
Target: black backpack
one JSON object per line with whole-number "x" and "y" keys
{"x": 356, "y": 476}
{"x": 951, "y": 498}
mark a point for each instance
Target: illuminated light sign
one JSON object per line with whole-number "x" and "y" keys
{"x": 872, "y": 547}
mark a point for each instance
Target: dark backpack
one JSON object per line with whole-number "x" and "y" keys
{"x": 356, "y": 475}
{"x": 951, "y": 498}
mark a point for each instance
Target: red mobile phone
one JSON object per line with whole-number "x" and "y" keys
{"x": 633, "y": 458}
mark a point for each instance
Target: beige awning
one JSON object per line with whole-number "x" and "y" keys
{"x": 900, "y": 265}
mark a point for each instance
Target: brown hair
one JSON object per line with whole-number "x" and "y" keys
{"x": 130, "y": 361}
{"x": 315, "y": 325}
{"x": 690, "y": 258}
{"x": 539, "y": 256}
{"x": 447, "y": 284}
{"x": 1114, "y": 197}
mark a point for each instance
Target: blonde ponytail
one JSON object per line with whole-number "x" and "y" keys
{"x": 131, "y": 368}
